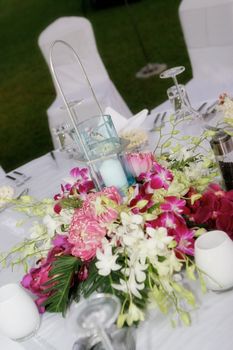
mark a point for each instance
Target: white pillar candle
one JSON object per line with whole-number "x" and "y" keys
{"x": 214, "y": 256}
{"x": 113, "y": 173}
{"x": 19, "y": 317}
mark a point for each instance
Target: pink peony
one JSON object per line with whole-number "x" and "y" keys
{"x": 85, "y": 235}
{"x": 139, "y": 163}
{"x": 96, "y": 206}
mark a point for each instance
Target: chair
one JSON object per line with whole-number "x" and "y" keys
{"x": 208, "y": 31}
{"x": 78, "y": 32}
{"x": 2, "y": 172}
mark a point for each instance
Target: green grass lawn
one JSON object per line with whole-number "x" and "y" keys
{"x": 26, "y": 90}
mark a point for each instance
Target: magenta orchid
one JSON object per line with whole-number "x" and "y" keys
{"x": 173, "y": 204}
{"x": 158, "y": 177}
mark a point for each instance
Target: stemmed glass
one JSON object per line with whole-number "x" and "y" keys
{"x": 185, "y": 109}
{"x": 92, "y": 317}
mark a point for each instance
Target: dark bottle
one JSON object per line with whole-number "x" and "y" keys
{"x": 222, "y": 146}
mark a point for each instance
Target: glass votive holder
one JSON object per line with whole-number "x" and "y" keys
{"x": 110, "y": 171}
{"x": 99, "y": 136}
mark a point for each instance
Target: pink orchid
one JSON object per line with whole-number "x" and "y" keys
{"x": 85, "y": 235}
{"x": 167, "y": 219}
{"x": 139, "y": 195}
{"x": 158, "y": 178}
{"x": 214, "y": 209}
{"x": 185, "y": 240}
{"x": 139, "y": 162}
{"x": 80, "y": 173}
{"x": 61, "y": 242}
{"x": 83, "y": 273}
{"x": 162, "y": 177}
{"x": 36, "y": 278}
{"x": 176, "y": 227}
{"x": 34, "y": 281}
{"x": 173, "y": 204}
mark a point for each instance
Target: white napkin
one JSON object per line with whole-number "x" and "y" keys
{"x": 124, "y": 124}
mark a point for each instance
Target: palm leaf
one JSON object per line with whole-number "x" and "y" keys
{"x": 61, "y": 273}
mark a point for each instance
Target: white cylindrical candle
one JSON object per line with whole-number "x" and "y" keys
{"x": 214, "y": 256}
{"x": 113, "y": 173}
{"x": 19, "y": 317}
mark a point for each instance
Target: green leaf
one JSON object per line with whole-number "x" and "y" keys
{"x": 167, "y": 144}
{"x": 185, "y": 317}
{"x": 190, "y": 269}
{"x": 175, "y": 132}
{"x": 202, "y": 282}
{"x": 61, "y": 273}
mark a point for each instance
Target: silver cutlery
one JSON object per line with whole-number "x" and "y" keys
{"x": 18, "y": 177}
{"x": 159, "y": 120}
{"x": 52, "y": 154}
{"x": 163, "y": 117}
{"x": 211, "y": 109}
{"x": 156, "y": 118}
{"x": 201, "y": 106}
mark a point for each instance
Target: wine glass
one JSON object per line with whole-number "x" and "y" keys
{"x": 91, "y": 317}
{"x": 185, "y": 109}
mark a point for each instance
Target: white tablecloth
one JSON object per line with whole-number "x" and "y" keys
{"x": 212, "y": 320}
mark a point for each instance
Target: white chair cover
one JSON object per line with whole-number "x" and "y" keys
{"x": 78, "y": 32}
{"x": 208, "y": 31}
{"x": 2, "y": 172}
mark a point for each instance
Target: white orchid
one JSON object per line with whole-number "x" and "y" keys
{"x": 130, "y": 285}
{"x": 134, "y": 314}
{"x": 131, "y": 219}
{"x": 106, "y": 260}
{"x": 6, "y": 194}
{"x": 160, "y": 237}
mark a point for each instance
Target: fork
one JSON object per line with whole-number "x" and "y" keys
{"x": 157, "y": 119}
{"x": 211, "y": 109}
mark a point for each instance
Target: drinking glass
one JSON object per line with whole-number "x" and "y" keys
{"x": 185, "y": 109}
{"x": 174, "y": 97}
{"x": 214, "y": 256}
{"x": 99, "y": 136}
{"x": 103, "y": 148}
{"x": 92, "y": 317}
{"x": 19, "y": 317}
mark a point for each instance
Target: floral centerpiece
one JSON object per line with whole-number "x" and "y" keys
{"x": 135, "y": 246}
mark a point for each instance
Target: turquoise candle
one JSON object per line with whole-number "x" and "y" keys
{"x": 113, "y": 174}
